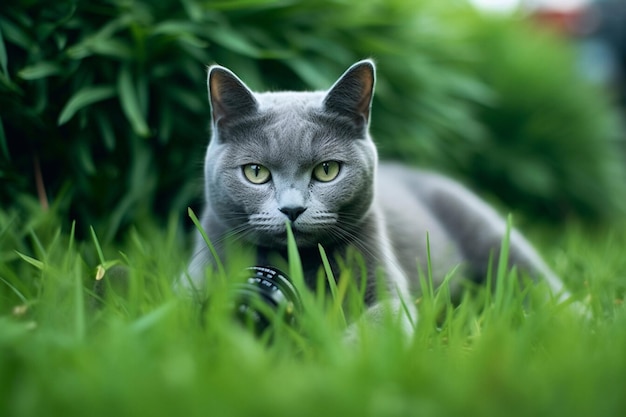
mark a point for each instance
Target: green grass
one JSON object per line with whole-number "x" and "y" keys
{"x": 144, "y": 351}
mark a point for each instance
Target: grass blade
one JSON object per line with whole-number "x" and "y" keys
{"x": 34, "y": 262}
{"x": 295, "y": 264}
{"x": 337, "y": 294}
{"x": 152, "y": 318}
{"x": 97, "y": 244}
{"x": 205, "y": 237}
{"x": 330, "y": 277}
{"x": 15, "y": 290}
{"x": 502, "y": 274}
{"x": 79, "y": 304}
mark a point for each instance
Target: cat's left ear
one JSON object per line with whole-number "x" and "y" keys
{"x": 352, "y": 94}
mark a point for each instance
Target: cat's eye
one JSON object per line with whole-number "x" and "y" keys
{"x": 326, "y": 171}
{"x": 256, "y": 174}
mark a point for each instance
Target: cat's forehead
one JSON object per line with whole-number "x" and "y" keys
{"x": 290, "y": 101}
{"x": 290, "y": 129}
{"x": 289, "y": 138}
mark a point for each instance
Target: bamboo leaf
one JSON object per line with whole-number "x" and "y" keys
{"x": 83, "y": 98}
{"x": 130, "y": 102}
{"x": 39, "y": 70}
{"x": 112, "y": 47}
{"x": 175, "y": 28}
{"x": 234, "y": 41}
{"x": 106, "y": 130}
{"x": 3, "y": 142}
{"x": 3, "y": 55}
{"x": 91, "y": 43}
{"x": 184, "y": 31}
{"x": 15, "y": 34}
{"x": 7, "y": 85}
{"x": 83, "y": 152}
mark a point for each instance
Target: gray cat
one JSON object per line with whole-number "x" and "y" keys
{"x": 307, "y": 158}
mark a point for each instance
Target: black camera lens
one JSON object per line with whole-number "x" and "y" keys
{"x": 266, "y": 295}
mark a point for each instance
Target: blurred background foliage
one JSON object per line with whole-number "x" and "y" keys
{"x": 103, "y": 103}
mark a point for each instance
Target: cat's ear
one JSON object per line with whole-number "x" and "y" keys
{"x": 352, "y": 94}
{"x": 228, "y": 95}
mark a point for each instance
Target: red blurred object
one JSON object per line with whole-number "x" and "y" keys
{"x": 569, "y": 22}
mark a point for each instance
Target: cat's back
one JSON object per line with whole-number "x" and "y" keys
{"x": 462, "y": 228}
{"x": 407, "y": 198}
{"x": 419, "y": 191}
{"x": 438, "y": 194}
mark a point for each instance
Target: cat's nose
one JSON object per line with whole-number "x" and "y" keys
{"x": 292, "y": 212}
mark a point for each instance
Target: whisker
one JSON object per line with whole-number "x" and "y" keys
{"x": 353, "y": 237}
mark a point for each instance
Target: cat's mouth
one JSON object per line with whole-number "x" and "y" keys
{"x": 270, "y": 232}
{"x": 279, "y": 237}
{"x": 299, "y": 235}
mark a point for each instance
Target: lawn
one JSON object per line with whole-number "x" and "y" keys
{"x": 138, "y": 349}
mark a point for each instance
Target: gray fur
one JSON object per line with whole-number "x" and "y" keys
{"x": 384, "y": 211}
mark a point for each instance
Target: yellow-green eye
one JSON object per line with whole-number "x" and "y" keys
{"x": 256, "y": 174}
{"x": 326, "y": 171}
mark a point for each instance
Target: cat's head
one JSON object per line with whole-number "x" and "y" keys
{"x": 299, "y": 157}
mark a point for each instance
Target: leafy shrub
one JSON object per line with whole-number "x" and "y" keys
{"x": 106, "y": 99}
{"x": 554, "y": 144}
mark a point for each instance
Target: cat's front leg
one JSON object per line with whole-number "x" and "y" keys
{"x": 393, "y": 309}
{"x": 399, "y": 314}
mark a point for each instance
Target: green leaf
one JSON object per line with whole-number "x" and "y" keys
{"x": 40, "y": 70}
{"x": 83, "y": 98}
{"x": 234, "y": 41}
{"x": 309, "y": 74}
{"x": 3, "y": 142}
{"x": 184, "y": 31}
{"x": 15, "y": 35}
{"x": 112, "y": 47}
{"x": 7, "y": 85}
{"x": 97, "y": 42}
{"x": 130, "y": 102}
{"x": 175, "y": 28}
{"x": 106, "y": 130}
{"x": 194, "y": 10}
{"x": 3, "y": 55}
{"x": 83, "y": 153}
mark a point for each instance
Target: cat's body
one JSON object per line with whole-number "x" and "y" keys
{"x": 307, "y": 159}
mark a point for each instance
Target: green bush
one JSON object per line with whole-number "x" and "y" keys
{"x": 554, "y": 144}
{"x": 108, "y": 99}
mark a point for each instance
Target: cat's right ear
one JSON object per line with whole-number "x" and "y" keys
{"x": 228, "y": 95}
